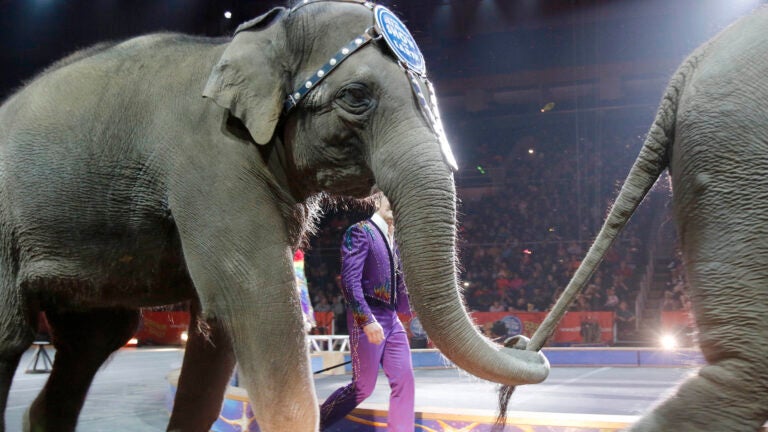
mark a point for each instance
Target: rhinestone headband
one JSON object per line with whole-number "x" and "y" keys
{"x": 294, "y": 98}
{"x": 400, "y": 42}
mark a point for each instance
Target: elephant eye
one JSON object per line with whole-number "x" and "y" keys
{"x": 355, "y": 98}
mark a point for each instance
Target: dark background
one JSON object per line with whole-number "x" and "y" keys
{"x": 495, "y": 63}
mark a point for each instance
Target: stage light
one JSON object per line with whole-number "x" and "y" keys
{"x": 531, "y": 151}
{"x": 184, "y": 336}
{"x": 227, "y": 14}
{"x": 548, "y": 107}
{"x": 668, "y": 342}
{"x": 466, "y": 284}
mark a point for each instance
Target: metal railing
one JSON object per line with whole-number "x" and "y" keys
{"x": 331, "y": 342}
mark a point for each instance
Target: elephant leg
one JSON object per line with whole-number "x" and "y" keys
{"x": 264, "y": 320}
{"x": 731, "y": 392}
{"x": 17, "y": 331}
{"x": 236, "y": 244}
{"x": 9, "y": 361}
{"x": 207, "y": 367}
{"x": 273, "y": 365}
{"x": 83, "y": 341}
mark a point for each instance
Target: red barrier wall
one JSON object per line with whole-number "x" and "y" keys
{"x": 568, "y": 331}
{"x": 672, "y": 320}
{"x": 162, "y": 328}
{"x": 165, "y": 328}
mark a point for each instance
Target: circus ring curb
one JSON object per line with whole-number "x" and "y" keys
{"x": 236, "y": 414}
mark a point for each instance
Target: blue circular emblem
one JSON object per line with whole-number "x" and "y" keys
{"x": 399, "y": 39}
{"x": 514, "y": 325}
{"x": 416, "y": 329}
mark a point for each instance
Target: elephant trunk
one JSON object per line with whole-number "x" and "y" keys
{"x": 423, "y": 199}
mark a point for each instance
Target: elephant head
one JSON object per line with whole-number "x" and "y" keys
{"x": 340, "y": 102}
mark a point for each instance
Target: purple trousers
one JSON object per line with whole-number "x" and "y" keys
{"x": 394, "y": 355}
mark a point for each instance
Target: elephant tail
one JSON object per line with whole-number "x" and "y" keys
{"x": 649, "y": 165}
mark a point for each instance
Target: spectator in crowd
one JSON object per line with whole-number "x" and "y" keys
{"x": 573, "y": 263}
{"x": 634, "y": 250}
{"x": 497, "y": 307}
{"x": 611, "y": 300}
{"x": 516, "y": 282}
{"x": 581, "y": 304}
{"x": 521, "y": 305}
{"x": 481, "y": 298}
{"x": 624, "y": 270}
{"x": 625, "y": 321}
{"x": 620, "y": 287}
{"x": 322, "y": 305}
{"x": 600, "y": 281}
{"x": 539, "y": 300}
{"x": 593, "y": 297}
{"x": 551, "y": 285}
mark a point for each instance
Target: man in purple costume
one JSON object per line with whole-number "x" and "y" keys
{"x": 372, "y": 284}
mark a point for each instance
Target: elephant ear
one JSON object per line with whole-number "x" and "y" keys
{"x": 247, "y": 79}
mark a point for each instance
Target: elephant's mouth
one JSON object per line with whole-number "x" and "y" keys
{"x": 353, "y": 183}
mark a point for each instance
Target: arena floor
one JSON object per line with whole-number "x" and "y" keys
{"x": 128, "y": 393}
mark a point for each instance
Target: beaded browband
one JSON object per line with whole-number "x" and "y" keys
{"x": 388, "y": 27}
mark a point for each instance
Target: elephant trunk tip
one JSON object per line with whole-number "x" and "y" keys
{"x": 517, "y": 342}
{"x": 515, "y": 346}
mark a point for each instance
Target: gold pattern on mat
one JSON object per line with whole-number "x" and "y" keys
{"x": 366, "y": 422}
{"x": 243, "y": 422}
{"x": 448, "y": 428}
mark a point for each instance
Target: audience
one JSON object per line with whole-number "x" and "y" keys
{"x": 676, "y": 295}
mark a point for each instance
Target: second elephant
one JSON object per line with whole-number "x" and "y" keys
{"x": 711, "y": 131}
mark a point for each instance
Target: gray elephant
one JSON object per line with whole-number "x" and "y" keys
{"x": 121, "y": 187}
{"x": 711, "y": 131}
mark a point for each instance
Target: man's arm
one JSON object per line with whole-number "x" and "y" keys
{"x": 354, "y": 250}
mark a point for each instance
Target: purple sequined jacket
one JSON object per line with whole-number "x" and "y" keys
{"x": 368, "y": 273}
